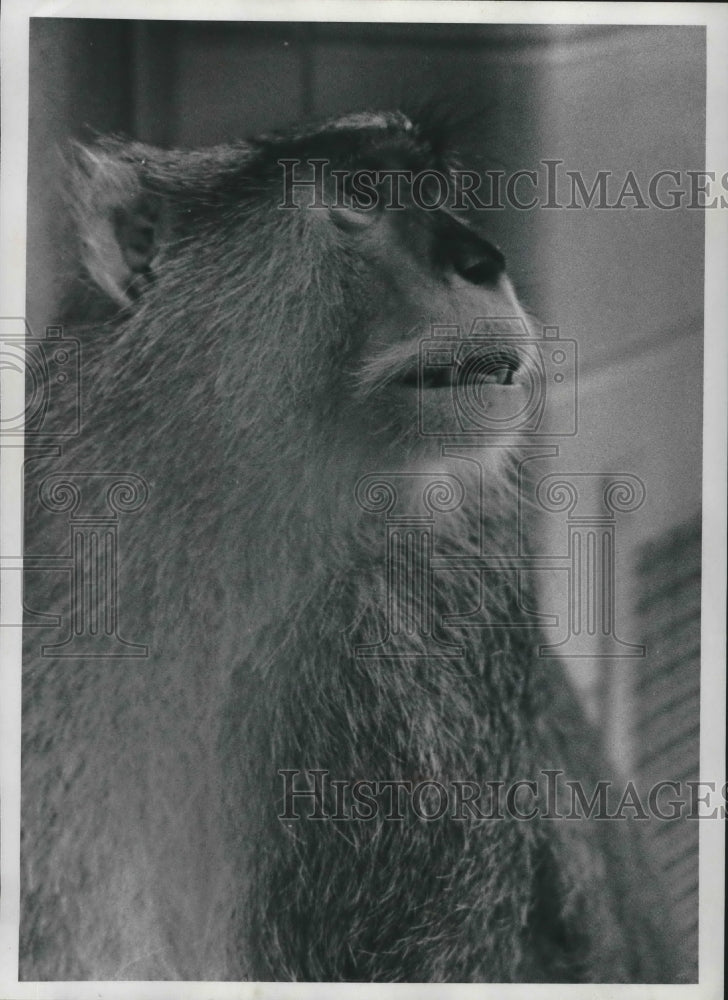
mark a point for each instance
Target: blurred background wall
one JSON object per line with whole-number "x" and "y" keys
{"x": 626, "y": 285}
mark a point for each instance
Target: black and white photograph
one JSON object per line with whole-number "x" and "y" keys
{"x": 363, "y": 498}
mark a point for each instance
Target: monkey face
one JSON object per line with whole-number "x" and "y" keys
{"x": 324, "y": 260}
{"x": 417, "y": 265}
{"x": 437, "y": 283}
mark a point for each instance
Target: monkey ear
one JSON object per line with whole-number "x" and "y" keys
{"x": 119, "y": 222}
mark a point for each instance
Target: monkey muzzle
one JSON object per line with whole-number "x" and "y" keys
{"x": 480, "y": 366}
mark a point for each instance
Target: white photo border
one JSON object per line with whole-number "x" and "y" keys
{"x": 15, "y": 67}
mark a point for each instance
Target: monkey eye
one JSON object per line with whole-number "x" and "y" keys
{"x": 460, "y": 248}
{"x": 476, "y": 260}
{"x": 362, "y": 201}
{"x": 355, "y": 208}
{"x": 481, "y": 265}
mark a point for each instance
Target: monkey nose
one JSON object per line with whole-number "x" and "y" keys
{"x": 478, "y": 262}
{"x": 467, "y": 253}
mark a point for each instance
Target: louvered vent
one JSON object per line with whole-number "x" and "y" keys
{"x": 668, "y": 700}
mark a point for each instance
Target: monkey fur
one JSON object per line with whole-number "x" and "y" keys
{"x": 249, "y": 365}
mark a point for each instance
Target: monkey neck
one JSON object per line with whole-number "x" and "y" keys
{"x": 311, "y": 693}
{"x": 331, "y": 567}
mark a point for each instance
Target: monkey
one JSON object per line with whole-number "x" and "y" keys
{"x": 251, "y": 322}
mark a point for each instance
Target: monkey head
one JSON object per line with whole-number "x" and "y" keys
{"x": 322, "y": 260}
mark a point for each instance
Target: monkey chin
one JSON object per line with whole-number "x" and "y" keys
{"x": 426, "y": 426}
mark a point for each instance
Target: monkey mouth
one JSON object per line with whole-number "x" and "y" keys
{"x": 494, "y": 368}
